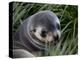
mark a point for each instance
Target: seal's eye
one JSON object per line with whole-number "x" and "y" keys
{"x": 34, "y": 30}
{"x": 58, "y": 26}
{"x": 43, "y": 33}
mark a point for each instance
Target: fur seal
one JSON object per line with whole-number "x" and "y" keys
{"x": 34, "y": 33}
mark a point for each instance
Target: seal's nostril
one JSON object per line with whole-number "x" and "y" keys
{"x": 56, "y": 37}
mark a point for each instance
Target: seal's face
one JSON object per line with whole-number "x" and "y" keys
{"x": 46, "y": 27}
{"x": 42, "y": 34}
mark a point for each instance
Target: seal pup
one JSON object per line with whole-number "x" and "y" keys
{"x": 38, "y": 29}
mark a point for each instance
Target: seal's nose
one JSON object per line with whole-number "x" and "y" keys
{"x": 56, "y": 38}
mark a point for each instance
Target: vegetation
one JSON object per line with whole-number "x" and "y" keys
{"x": 68, "y": 16}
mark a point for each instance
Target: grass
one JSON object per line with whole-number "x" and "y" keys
{"x": 68, "y": 16}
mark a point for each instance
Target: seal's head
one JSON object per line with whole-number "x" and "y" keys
{"x": 45, "y": 26}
